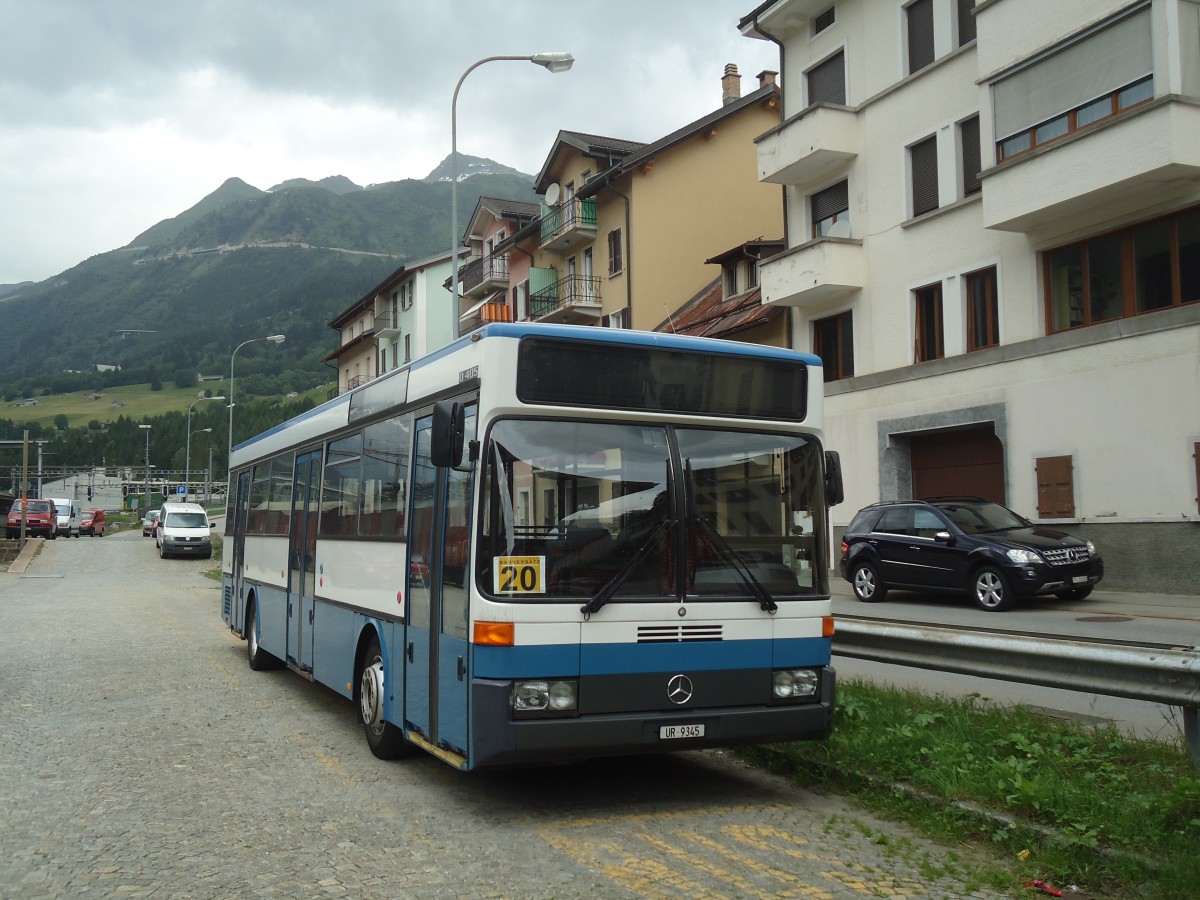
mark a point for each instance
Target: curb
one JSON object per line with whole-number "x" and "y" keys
{"x": 25, "y": 557}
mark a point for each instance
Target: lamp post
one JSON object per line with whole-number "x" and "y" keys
{"x": 274, "y": 339}
{"x": 187, "y": 461}
{"x": 146, "y": 509}
{"x": 553, "y": 62}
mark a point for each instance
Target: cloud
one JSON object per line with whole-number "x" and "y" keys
{"x": 116, "y": 115}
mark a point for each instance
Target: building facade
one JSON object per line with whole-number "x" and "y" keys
{"x": 993, "y": 242}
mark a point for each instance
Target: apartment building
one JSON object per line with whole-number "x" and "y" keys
{"x": 993, "y": 243}
{"x": 406, "y": 315}
{"x": 626, "y": 228}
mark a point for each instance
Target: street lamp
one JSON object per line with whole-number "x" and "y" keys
{"x": 146, "y": 509}
{"x": 274, "y": 339}
{"x": 553, "y": 62}
{"x": 187, "y": 461}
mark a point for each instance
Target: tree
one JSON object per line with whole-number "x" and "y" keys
{"x": 61, "y": 422}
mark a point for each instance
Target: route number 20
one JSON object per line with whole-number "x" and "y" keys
{"x": 518, "y": 574}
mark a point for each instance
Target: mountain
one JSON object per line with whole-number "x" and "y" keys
{"x": 469, "y": 166}
{"x": 241, "y": 263}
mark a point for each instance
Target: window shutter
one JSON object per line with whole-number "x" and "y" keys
{"x": 831, "y": 200}
{"x": 924, "y": 176}
{"x": 1056, "y": 487}
{"x": 1196, "y": 460}
{"x": 920, "y": 34}
{"x": 966, "y": 21}
{"x": 971, "y": 159}
{"x": 827, "y": 82}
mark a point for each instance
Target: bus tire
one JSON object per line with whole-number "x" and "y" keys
{"x": 260, "y": 660}
{"x": 385, "y": 739}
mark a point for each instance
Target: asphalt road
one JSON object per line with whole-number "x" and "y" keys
{"x": 140, "y": 756}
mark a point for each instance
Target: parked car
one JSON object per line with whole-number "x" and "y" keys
{"x": 183, "y": 530}
{"x": 68, "y": 516}
{"x": 93, "y": 523}
{"x": 964, "y": 544}
{"x": 148, "y": 523}
{"x": 41, "y": 519}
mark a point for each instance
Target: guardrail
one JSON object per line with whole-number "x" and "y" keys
{"x": 1150, "y": 672}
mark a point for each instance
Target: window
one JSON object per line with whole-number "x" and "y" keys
{"x": 385, "y": 477}
{"x": 983, "y": 319}
{"x": 1104, "y": 70}
{"x": 1055, "y": 487}
{"x": 751, "y": 274}
{"x": 831, "y": 211}
{"x": 731, "y": 279}
{"x": 821, "y": 21}
{"x": 618, "y": 319}
{"x": 615, "y": 263}
{"x": 966, "y": 21}
{"x": 340, "y": 494}
{"x": 407, "y": 348}
{"x": 833, "y": 341}
{"x": 919, "y": 18}
{"x": 1148, "y": 267}
{"x": 827, "y": 81}
{"x": 968, "y": 147}
{"x": 924, "y": 170}
{"x": 929, "y": 341}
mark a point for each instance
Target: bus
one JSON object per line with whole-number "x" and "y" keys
{"x": 549, "y": 542}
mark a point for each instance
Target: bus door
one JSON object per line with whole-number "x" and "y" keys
{"x": 236, "y": 531}
{"x": 302, "y": 537}
{"x": 436, "y": 680}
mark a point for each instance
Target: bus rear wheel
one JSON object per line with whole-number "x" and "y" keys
{"x": 385, "y": 739}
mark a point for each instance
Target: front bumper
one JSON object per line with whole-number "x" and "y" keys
{"x": 187, "y": 548}
{"x": 1031, "y": 581}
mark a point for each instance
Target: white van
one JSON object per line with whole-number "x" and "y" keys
{"x": 69, "y": 515}
{"x": 183, "y": 530}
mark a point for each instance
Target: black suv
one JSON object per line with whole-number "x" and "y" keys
{"x": 964, "y": 544}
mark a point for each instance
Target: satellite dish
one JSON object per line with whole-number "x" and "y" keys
{"x": 553, "y": 192}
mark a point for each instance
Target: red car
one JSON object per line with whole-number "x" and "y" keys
{"x": 93, "y": 523}
{"x": 41, "y": 518}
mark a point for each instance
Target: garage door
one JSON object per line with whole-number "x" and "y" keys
{"x": 965, "y": 462}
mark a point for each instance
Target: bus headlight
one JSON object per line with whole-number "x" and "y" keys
{"x": 795, "y": 684}
{"x": 535, "y": 699}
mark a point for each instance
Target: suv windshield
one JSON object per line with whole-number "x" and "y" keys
{"x": 974, "y": 518}
{"x": 600, "y": 510}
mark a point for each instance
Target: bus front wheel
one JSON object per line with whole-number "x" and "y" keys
{"x": 385, "y": 739}
{"x": 260, "y": 660}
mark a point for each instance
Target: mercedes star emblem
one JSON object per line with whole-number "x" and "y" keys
{"x": 679, "y": 690}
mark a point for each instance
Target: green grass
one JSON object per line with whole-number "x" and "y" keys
{"x": 1057, "y": 801}
{"x": 137, "y": 402}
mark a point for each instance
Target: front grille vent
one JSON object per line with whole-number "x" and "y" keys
{"x": 670, "y": 634}
{"x": 1066, "y": 556}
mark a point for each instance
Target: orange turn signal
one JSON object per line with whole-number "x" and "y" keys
{"x": 494, "y": 634}
{"x": 827, "y": 627}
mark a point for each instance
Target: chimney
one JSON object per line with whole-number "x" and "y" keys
{"x": 765, "y": 77}
{"x": 731, "y": 84}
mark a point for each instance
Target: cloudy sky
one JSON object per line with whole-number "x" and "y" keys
{"x": 116, "y": 114}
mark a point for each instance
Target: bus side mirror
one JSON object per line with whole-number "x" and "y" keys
{"x": 446, "y": 440}
{"x": 834, "y": 493}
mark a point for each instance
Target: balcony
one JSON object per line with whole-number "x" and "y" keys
{"x": 1151, "y": 155}
{"x": 484, "y": 274}
{"x": 387, "y": 324}
{"x": 814, "y": 273}
{"x": 809, "y": 147}
{"x": 568, "y": 225}
{"x": 574, "y": 300}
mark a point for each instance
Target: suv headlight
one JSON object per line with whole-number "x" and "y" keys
{"x": 1091, "y": 548}
{"x": 794, "y": 684}
{"x": 540, "y": 699}
{"x": 1023, "y": 557}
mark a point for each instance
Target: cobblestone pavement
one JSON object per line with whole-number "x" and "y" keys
{"x": 140, "y": 756}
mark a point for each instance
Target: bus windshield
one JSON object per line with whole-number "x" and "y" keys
{"x": 601, "y": 505}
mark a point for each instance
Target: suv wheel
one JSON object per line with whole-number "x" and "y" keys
{"x": 867, "y": 586}
{"x": 990, "y": 589}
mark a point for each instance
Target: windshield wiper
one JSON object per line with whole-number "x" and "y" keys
{"x": 765, "y": 603}
{"x": 610, "y": 587}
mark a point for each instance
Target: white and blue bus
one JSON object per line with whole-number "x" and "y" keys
{"x": 548, "y": 543}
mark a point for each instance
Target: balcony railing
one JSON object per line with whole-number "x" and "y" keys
{"x": 388, "y": 321}
{"x": 484, "y": 274}
{"x": 570, "y": 223}
{"x": 575, "y": 298}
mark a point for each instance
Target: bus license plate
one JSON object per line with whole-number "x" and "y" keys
{"x": 670, "y": 732}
